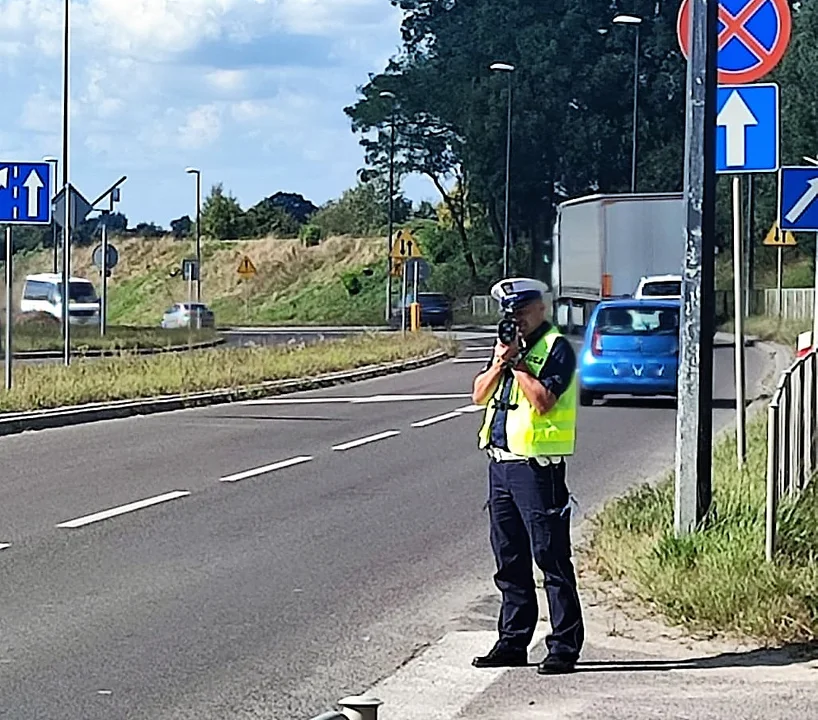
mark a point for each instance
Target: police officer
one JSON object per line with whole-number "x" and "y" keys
{"x": 530, "y": 392}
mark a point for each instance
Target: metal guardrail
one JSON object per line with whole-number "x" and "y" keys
{"x": 792, "y": 438}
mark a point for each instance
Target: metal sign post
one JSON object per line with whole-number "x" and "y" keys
{"x": 741, "y": 440}
{"x": 403, "y": 302}
{"x": 103, "y": 309}
{"x": 780, "y": 281}
{"x": 7, "y": 343}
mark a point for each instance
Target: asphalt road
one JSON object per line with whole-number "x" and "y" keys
{"x": 274, "y": 594}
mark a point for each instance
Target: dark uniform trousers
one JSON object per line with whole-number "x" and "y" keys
{"x": 530, "y": 517}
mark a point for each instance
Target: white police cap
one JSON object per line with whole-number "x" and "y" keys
{"x": 514, "y": 293}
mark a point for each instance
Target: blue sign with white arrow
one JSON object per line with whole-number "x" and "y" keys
{"x": 25, "y": 193}
{"x": 747, "y": 128}
{"x": 798, "y": 199}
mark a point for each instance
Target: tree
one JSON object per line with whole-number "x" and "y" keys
{"x": 181, "y": 227}
{"x": 571, "y": 110}
{"x": 362, "y": 210}
{"x": 221, "y": 215}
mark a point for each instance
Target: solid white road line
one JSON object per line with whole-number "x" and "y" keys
{"x": 404, "y": 398}
{"x": 113, "y": 512}
{"x": 367, "y": 440}
{"x": 266, "y": 469}
{"x": 439, "y": 418}
{"x": 3, "y": 546}
{"x": 470, "y": 360}
{"x": 356, "y": 400}
{"x": 477, "y": 348}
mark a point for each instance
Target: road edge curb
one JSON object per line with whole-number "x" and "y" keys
{"x": 15, "y": 423}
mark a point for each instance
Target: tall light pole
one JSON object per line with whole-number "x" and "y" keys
{"x": 66, "y": 252}
{"x": 56, "y": 164}
{"x": 637, "y": 23}
{"x": 198, "y": 174}
{"x": 509, "y": 69}
{"x": 390, "y": 96}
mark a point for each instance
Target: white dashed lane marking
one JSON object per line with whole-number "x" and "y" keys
{"x": 437, "y": 419}
{"x": 266, "y": 469}
{"x": 123, "y": 509}
{"x": 366, "y": 440}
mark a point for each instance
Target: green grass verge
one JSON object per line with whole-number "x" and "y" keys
{"x": 717, "y": 580}
{"x": 116, "y": 338}
{"x": 130, "y": 376}
{"x": 784, "y": 332}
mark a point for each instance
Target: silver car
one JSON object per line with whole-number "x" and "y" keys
{"x": 186, "y": 315}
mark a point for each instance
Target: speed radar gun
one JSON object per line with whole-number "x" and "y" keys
{"x": 512, "y": 294}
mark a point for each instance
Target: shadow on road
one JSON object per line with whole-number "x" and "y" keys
{"x": 764, "y": 657}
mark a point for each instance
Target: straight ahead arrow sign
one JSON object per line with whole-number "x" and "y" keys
{"x": 735, "y": 117}
{"x": 33, "y": 184}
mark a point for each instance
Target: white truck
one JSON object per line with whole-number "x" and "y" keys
{"x": 605, "y": 244}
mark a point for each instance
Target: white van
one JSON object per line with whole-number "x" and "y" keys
{"x": 43, "y": 293}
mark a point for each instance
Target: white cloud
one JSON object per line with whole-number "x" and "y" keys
{"x": 202, "y": 127}
{"x": 228, "y": 81}
{"x": 229, "y": 85}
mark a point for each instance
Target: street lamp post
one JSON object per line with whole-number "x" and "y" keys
{"x": 56, "y": 164}
{"x": 66, "y": 258}
{"x": 198, "y": 174}
{"x": 637, "y": 23}
{"x": 506, "y": 68}
{"x": 390, "y": 96}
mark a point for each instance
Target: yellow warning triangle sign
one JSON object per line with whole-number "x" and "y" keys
{"x": 405, "y": 246}
{"x": 776, "y": 238}
{"x": 246, "y": 267}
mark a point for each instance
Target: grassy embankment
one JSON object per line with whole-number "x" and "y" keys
{"x": 129, "y": 376}
{"x": 717, "y": 580}
{"x": 294, "y": 284}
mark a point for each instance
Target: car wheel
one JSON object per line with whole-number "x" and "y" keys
{"x": 586, "y": 398}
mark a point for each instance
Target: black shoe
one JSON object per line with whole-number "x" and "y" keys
{"x": 557, "y": 665}
{"x": 502, "y": 656}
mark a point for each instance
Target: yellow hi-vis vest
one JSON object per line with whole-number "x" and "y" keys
{"x": 528, "y": 433}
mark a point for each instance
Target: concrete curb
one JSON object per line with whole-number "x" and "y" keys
{"x": 13, "y": 423}
{"x": 99, "y": 353}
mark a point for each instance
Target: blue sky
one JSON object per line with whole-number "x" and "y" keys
{"x": 250, "y": 91}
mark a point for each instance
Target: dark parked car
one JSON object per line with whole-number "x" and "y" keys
{"x": 435, "y": 311}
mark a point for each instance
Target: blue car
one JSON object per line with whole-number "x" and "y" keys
{"x": 631, "y": 348}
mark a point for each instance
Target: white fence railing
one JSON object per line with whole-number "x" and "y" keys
{"x": 484, "y": 305}
{"x": 794, "y": 303}
{"x": 792, "y": 438}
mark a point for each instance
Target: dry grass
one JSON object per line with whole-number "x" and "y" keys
{"x": 784, "y": 332}
{"x": 130, "y": 376}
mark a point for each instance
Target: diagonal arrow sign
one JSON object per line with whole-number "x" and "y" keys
{"x": 803, "y": 202}
{"x": 33, "y": 184}
{"x": 735, "y": 117}
{"x": 4, "y": 177}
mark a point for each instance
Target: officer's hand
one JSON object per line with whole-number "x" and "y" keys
{"x": 503, "y": 353}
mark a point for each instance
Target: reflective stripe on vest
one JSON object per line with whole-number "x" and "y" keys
{"x": 528, "y": 433}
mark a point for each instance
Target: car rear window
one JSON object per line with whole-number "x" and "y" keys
{"x": 638, "y": 321}
{"x": 671, "y": 288}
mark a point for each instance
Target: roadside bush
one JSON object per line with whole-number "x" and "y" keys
{"x": 310, "y": 235}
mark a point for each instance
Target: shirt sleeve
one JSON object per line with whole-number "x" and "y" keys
{"x": 559, "y": 368}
